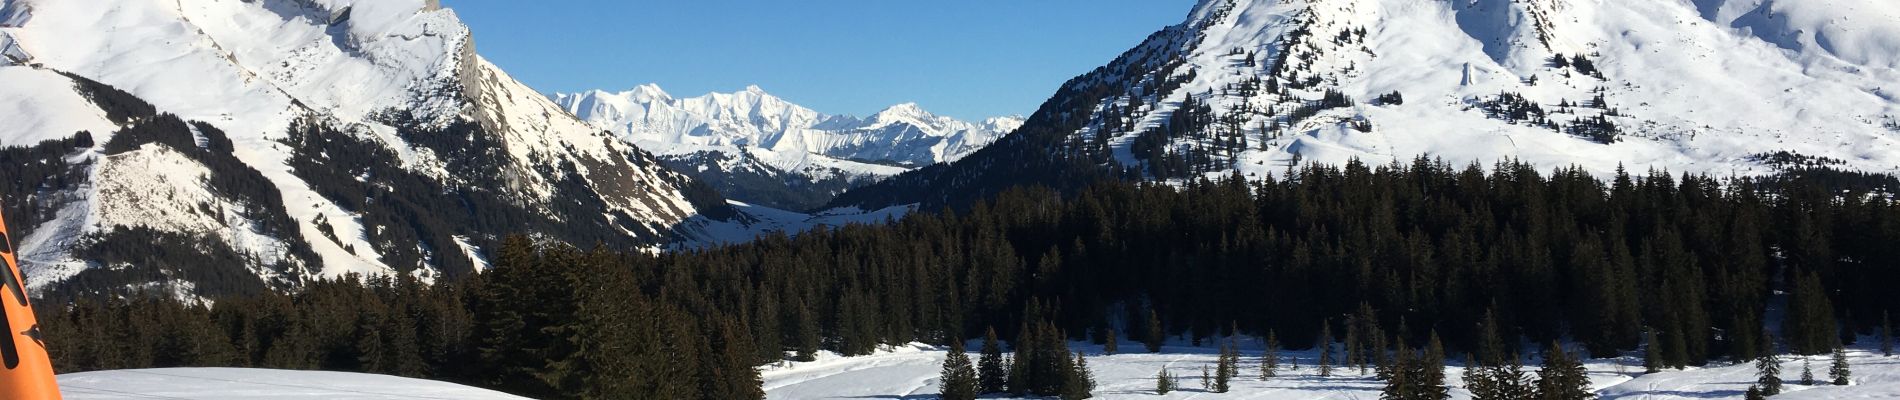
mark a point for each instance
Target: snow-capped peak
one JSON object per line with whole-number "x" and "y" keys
{"x": 648, "y": 92}
{"x": 393, "y": 88}
{"x": 791, "y": 141}
{"x": 1704, "y": 86}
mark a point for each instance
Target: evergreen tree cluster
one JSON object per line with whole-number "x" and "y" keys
{"x": 550, "y": 322}
{"x": 1042, "y": 364}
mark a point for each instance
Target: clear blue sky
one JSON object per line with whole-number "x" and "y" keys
{"x": 968, "y": 59}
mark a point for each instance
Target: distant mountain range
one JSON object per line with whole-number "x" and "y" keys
{"x": 761, "y": 149}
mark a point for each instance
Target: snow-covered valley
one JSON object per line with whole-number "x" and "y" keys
{"x": 911, "y": 372}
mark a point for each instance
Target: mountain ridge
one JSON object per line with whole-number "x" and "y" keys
{"x": 763, "y": 149}
{"x": 373, "y": 130}
{"x": 1250, "y": 87}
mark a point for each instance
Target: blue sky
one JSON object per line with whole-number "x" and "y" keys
{"x": 968, "y": 59}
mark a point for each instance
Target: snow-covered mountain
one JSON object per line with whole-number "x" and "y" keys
{"x": 243, "y": 145}
{"x": 1724, "y": 87}
{"x": 761, "y": 149}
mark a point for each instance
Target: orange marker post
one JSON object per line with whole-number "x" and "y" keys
{"x": 26, "y": 373}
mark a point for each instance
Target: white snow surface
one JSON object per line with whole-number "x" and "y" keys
{"x": 912, "y": 372}
{"x": 757, "y": 220}
{"x": 38, "y": 105}
{"x": 259, "y": 384}
{"x": 788, "y": 137}
{"x": 1696, "y": 86}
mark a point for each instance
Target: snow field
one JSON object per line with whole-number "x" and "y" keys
{"x": 911, "y": 372}
{"x": 259, "y": 384}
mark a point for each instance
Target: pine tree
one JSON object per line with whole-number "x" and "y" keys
{"x": 1477, "y": 380}
{"x": 1224, "y": 368}
{"x": 1562, "y": 377}
{"x": 1417, "y": 376}
{"x": 1018, "y": 381}
{"x": 1399, "y": 382}
{"x": 1810, "y": 324}
{"x": 1754, "y": 393}
{"x": 1490, "y": 342}
{"x": 1807, "y": 372}
{"x": 805, "y": 332}
{"x": 992, "y": 375}
{"x": 1768, "y": 374}
{"x": 1512, "y": 381}
{"x": 1164, "y": 382}
{"x": 1430, "y": 372}
{"x": 1207, "y": 378}
{"x": 1325, "y": 349}
{"x": 1109, "y": 346}
{"x": 1080, "y": 382}
{"x": 1886, "y": 335}
{"x": 1838, "y": 373}
{"x": 1652, "y": 353}
{"x": 1270, "y": 358}
{"x": 959, "y": 380}
{"x": 1156, "y": 336}
{"x": 1355, "y": 355}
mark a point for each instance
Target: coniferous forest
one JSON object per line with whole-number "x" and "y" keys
{"x": 1390, "y": 255}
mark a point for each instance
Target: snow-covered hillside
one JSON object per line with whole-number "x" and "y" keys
{"x": 912, "y": 372}
{"x": 762, "y": 149}
{"x": 247, "y": 384}
{"x": 351, "y": 137}
{"x": 1725, "y": 87}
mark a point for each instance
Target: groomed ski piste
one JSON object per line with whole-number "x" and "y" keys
{"x": 911, "y": 372}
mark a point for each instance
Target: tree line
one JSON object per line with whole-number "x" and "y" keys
{"x": 1486, "y": 259}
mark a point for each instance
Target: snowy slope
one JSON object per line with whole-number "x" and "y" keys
{"x": 752, "y": 132}
{"x": 1699, "y": 86}
{"x": 247, "y": 384}
{"x": 912, "y": 372}
{"x": 391, "y": 89}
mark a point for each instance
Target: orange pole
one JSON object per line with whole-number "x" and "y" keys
{"x": 25, "y": 370}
